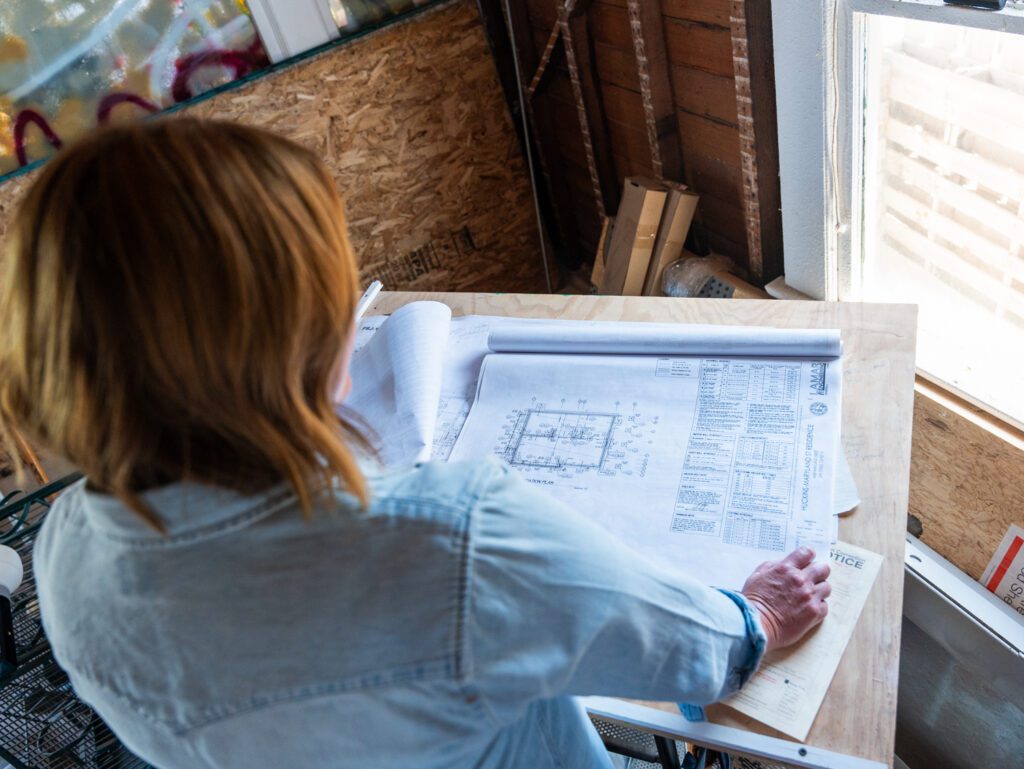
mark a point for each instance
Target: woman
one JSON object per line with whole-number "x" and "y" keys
{"x": 235, "y": 584}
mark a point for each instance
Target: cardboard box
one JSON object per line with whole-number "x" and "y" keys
{"x": 737, "y": 288}
{"x": 632, "y": 240}
{"x": 680, "y": 206}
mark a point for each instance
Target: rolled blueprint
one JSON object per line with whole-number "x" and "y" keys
{"x": 615, "y": 338}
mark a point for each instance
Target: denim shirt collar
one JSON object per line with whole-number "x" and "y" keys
{"x": 191, "y": 509}
{"x": 185, "y": 508}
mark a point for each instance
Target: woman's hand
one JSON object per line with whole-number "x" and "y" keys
{"x": 790, "y": 596}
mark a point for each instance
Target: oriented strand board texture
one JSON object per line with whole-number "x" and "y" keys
{"x": 966, "y": 485}
{"x": 412, "y": 123}
{"x": 10, "y": 193}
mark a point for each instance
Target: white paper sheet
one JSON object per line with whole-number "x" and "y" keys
{"x": 689, "y": 460}
{"x": 788, "y": 688}
{"x": 459, "y": 352}
{"x": 397, "y": 370}
{"x": 467, "y": 347}
{"x": 366, "y": 329}
{"x": 472, "y": 336}
{"x": 846, "y": 495}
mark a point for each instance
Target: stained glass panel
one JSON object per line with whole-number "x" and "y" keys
{"x": 66, "y": 66}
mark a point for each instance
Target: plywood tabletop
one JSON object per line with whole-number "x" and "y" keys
{"x": 858, "y": 716}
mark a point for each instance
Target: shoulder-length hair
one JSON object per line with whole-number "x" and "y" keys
{"x": 176, "y": 298}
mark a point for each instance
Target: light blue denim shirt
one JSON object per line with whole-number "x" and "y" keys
{"x": 449, "y": 625}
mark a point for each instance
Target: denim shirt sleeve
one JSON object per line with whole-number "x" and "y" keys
{"x": 557, "y": 606}
{"x": 756, "y": 640}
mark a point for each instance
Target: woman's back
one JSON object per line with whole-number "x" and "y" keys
{"x": 250, "y": 637}
{"x": 443, "y": 626}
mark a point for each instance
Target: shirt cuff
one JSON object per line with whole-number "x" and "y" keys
{"x": 756, "y": 641}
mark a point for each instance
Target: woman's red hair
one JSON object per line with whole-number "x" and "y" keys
{"x": 176, "y": 299}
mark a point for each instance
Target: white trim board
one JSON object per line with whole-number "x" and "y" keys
{"x": 1010, "y": 19}
{"x": 290, "y": 27}
{"x": 800, "y": 43}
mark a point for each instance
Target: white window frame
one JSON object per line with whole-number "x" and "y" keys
{"x": 817, "y": 84}
{"x": 288, "y": 28}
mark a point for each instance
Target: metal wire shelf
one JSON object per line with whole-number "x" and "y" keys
{"x": 43, "y": 725}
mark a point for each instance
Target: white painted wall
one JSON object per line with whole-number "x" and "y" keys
{"x": 799, "y": 38}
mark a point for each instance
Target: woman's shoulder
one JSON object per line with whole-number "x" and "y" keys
{"x": 459, "y": 486}
{"x": 65, "y": 513}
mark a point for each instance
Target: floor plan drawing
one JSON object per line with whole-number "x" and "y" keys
{"x": 573, "y": 440}
{"x": 451, "y": 416}
{"x": 684, "y": 458}
{"x": 560, "y": 439}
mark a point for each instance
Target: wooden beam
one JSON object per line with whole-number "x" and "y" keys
{"x": 705, "y": 95}
{"x": 754, "y": 70}
{"x": 495, "y": 29}
{"x": 718, "y": 140}
{"x": 653, "y": 69}
{"x": 571, "y": 27}
{"x": 710, "y": 12}
{"x": 556, "y": 192}
{"x": 579, "y": 49}
{"x": 545, "y": 59}
{"x": 585, "y": 97}
{"x": 700, "y": 46}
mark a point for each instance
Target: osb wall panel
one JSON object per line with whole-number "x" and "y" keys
{"x": 966, "y": 485}
{"x": 413, "y": 125}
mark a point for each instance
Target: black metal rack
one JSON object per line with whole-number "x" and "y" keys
{"x": 43, "y": 724}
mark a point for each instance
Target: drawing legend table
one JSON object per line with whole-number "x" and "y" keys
{"x": 856, "y": 725}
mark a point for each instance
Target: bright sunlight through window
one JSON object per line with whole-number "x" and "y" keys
{"x": 943, "y": 208}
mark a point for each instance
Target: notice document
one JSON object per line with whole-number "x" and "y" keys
{"x": 789, "y": 686}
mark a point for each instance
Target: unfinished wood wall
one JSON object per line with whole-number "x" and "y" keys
{"x": 706, "y": 46}
{"x": 412, "y": 123}
{"x": 966, "y": 482}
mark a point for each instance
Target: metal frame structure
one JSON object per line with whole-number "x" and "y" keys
{"x": 964, "y": 618}
{"x": 726, "y": 739}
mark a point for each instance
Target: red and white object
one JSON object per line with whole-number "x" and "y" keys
{"x": 1004, "y": 574}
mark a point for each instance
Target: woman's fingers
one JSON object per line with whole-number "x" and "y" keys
{"x": 800, "y": 557}
{"x": 789, "y": 595}
{"x": 818, "y": 572}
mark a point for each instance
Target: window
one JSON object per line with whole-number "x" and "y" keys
{"x": 903, "y": 175}
{"x": 294, "y": 27}
{"x": 66, "y": 66}
{"x": 943, "y": 198}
